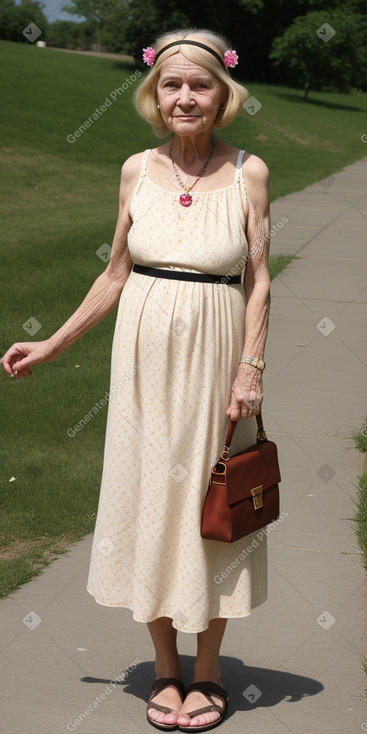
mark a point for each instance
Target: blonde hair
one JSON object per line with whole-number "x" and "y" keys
{"x": 145, "y": 96}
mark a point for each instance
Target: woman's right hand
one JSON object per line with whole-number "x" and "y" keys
{"x": 17, "y": 360}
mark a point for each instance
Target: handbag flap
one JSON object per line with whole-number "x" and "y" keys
{"x": 256, "y": 466}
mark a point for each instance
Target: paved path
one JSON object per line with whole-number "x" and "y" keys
{"x": 102, "y": 55}
{"x": 297, "y": 657}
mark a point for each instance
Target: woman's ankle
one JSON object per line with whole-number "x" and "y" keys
{"x": 168, "y": 670}
{"x": 204, "y": 672}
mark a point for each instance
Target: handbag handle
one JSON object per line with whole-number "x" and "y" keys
{"x": 261, "y": 435}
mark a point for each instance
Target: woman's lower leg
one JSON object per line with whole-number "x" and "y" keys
{"x": 164, "y": 637}
{"x": 208, "y": 649}
{"x": 206, "y": 669}
{"x": 167, "y": 665}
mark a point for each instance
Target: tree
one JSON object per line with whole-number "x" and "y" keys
{"x": 14, "y": 18}
{"x": 146, "y": 19}
{"x": 251, "y": 25}
{"x": 113, "y": 34}
{"x": 97, "y": 12}
{"x": 68, "y": 34}
{"x": 314, "y": 58}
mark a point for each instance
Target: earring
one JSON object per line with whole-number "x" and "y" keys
{"x": 158, "y": 106}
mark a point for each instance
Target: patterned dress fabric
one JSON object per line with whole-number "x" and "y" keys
{"x": 175, "y": 354}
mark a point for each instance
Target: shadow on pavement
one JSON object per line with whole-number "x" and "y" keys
{"x": 248, "y": 687}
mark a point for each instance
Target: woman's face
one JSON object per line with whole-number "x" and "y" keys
{"x": 189, "y": 96}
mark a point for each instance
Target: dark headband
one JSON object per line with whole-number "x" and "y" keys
{"x": 192, "y": 43}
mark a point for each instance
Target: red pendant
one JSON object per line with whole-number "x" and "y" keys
{"x": 186, "y": 199}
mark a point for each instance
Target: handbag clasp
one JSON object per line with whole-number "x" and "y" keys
{"x": 257, "y": 497}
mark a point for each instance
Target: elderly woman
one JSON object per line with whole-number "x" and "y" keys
{"x": 187, "y": 356}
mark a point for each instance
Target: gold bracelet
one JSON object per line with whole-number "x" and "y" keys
{"x": 253, "y": 361}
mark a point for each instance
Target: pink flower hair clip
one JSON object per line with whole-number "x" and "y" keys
{"x": 230, "y": 58}
{"x": 149, "y": 55}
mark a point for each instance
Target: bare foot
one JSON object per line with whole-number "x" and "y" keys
{"x": 196, "y": 700}
{"x": 171, "y": 698}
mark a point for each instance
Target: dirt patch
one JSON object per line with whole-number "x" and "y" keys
{"x": 19, "y": 548}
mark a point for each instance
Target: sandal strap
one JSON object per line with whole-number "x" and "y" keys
{"x": 161, "y": 683}
{"x": 205, "y": 710}
{"x": 159, "y": 707}
{"x": 207, "y": 688}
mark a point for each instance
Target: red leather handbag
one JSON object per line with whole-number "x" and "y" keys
{"x": 243, "y": 492}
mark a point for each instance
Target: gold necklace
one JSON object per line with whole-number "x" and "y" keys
{"x": 186, "y": 198}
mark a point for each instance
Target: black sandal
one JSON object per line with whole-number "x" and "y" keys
{"x": 207, "y": 688}
{"x": 159, "y": 685}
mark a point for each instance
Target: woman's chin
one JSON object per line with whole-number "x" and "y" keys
{"x": 191, "y": 126}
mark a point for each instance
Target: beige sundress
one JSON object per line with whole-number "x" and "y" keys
{"x": 175, "y": 354}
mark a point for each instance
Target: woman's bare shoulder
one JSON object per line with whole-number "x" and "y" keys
{"x": 255, "y": 168}
{"x": 132, "y": 166}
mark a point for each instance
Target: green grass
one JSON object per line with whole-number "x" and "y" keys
{"x": 51, "y": 93}
{"x": 59, "y": 204}
{"x": 277, "y": 263}
{"x": 360, "y": 440}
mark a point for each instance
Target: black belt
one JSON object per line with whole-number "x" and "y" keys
{"x": 180, "y": 275}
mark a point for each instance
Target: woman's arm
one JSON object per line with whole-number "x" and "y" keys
{"x": 247, "y": 393}
{"x": 99, "y": 301}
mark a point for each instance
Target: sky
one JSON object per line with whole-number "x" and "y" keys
{"x": 52, "y": 11}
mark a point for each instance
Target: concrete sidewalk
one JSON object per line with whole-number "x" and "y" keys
{"x": 297, "y": 657}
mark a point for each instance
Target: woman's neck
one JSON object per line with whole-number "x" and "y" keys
{"x": 188, "y": 151}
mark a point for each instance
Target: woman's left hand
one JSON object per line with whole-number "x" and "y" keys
{"x": 246, "y": 393}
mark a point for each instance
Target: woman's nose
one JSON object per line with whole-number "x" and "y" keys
{"x": 185, "y": 96}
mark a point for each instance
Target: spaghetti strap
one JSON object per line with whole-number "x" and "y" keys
{"x": 143, "y": 171}
{"x": 239, "y": 179}
{"x": 239, "y": 164}
{"x": 144, "y": 163}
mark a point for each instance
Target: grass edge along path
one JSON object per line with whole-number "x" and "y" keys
{"x": 360, "y": 519}
{"x": 20, "y": 561}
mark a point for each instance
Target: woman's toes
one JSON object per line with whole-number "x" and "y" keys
{"x": 203, "y": 719}
{"x": 154, "y": 714}
{"x": 199, "y": 720}
{"x": 196, "y": 700}
{"x": 170, "y": 698}
{"x": 162, "y": 718}
{"x": 183, "y": 720}
{"x": 169, "y": 719}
